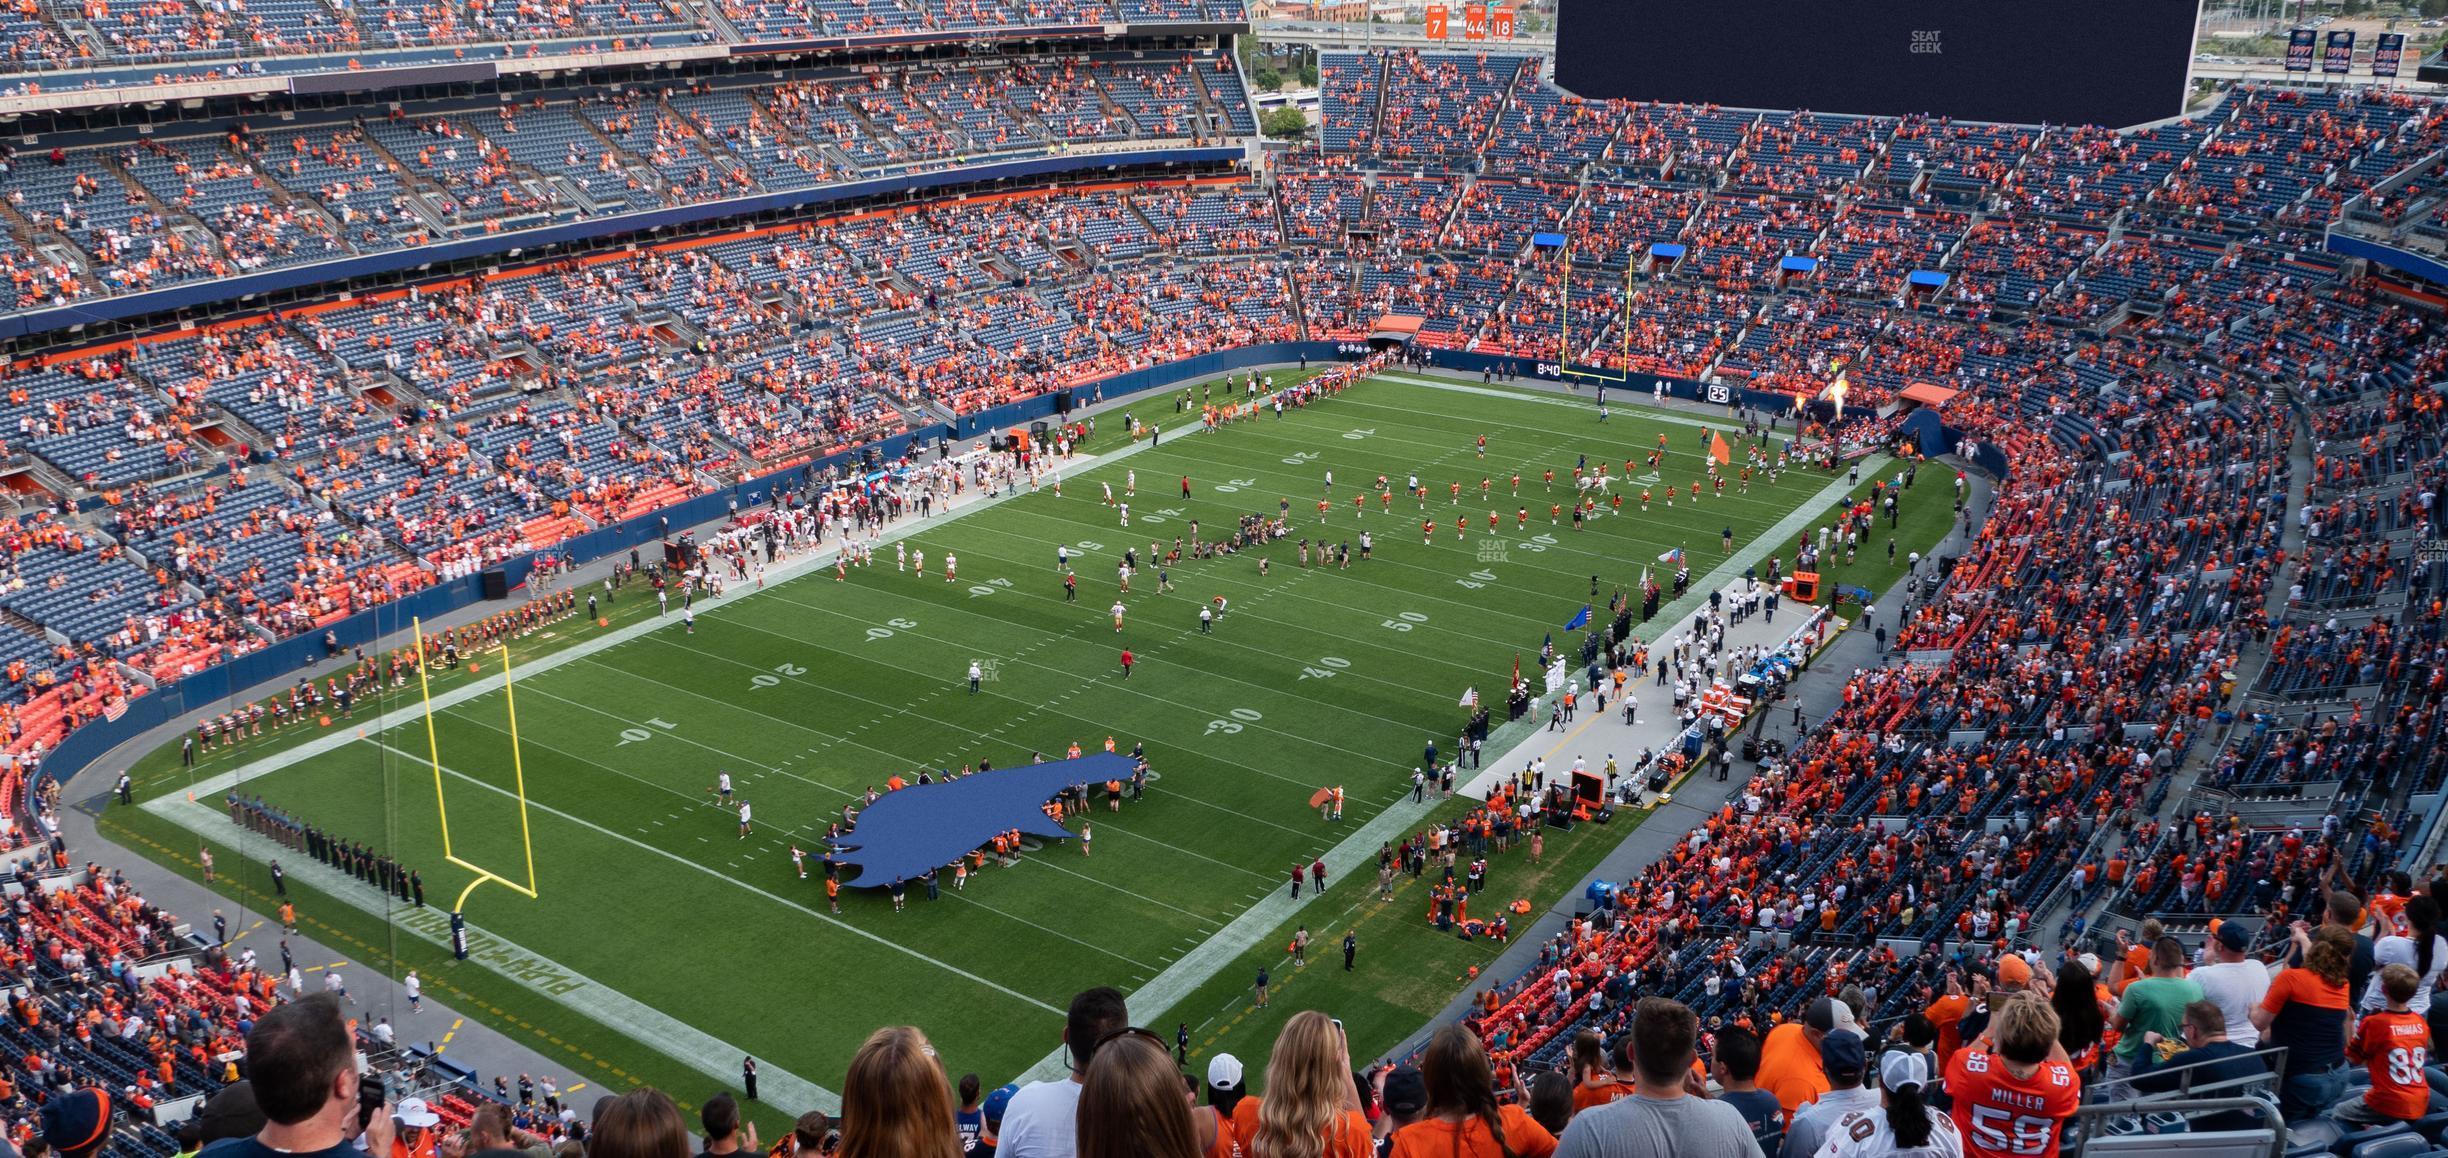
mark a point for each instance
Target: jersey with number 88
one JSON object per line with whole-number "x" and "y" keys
{"x": 2003, "y": 1116}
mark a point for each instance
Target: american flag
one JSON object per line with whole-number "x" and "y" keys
{"x": 116, "y": 708}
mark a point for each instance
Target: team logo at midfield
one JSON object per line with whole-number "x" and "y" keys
{"x": 927, "y": 826}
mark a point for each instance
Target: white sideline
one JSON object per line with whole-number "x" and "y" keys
{"x": 549, "y": 978}
{"x": 1177, "y": 981}
{"x": 1349, "y": 860}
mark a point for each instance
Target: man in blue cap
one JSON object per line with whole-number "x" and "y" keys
{"x": 996, "y": 1104}
{"x": 1846, "y": 1058}
{"x": 77, "y": 1123}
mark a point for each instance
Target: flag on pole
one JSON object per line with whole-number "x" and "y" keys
{"x": 1718, "y": 450}
{"x": 1580, "y": 619}
{"x": 1673, "y": 558}
{"x": 1646, "y": 584}
{"x": 1470, "y": 697}
{"x": 1516, "y": 670}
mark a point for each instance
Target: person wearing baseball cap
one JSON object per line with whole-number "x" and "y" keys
{"x": 2014, "y": 975}
{"x": 2233, "y": 981}
{"x": 996, "y": 1103}
{"x": 1844, "y": 1057}
{"x": 78, "y": 1122}
{"x": 1789, "y": 1057}
{"x": 1906, "y": 1127}
{"x": 1225, "y": 1091}
{"x": 1225, "y": 1086}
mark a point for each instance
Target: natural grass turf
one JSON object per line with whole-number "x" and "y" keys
{"x": 813, "y": 689}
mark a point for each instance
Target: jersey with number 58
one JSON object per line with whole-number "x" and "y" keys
{"x": 2003, "y": 1116}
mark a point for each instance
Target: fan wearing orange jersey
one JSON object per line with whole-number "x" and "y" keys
{"x": 2394, "y": 1045}
{"x": 2013, "y": 1087}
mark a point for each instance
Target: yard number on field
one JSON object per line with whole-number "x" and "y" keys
{"x": 1325, "y": 669}
{"x": 988, "y": 587}
{"x": 630, "y": 736}
{"x": 1405, "y": 621}
{"x": 762, "y": 680}
{"x": 1239, "y": 716}
{"x": 891, "y": 627}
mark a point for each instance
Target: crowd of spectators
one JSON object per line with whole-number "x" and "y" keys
{"x": 261, "y": 478}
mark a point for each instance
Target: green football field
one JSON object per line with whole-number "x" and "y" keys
{"x": 662, "y": 946}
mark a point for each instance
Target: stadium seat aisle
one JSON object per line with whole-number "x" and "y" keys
{"x": 2182, "y": 661}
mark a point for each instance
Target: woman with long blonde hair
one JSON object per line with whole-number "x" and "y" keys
{"x": 1132, "y": 1103}
{"x": 1311, "y": 1108}
{"x": 895, "y": 1100}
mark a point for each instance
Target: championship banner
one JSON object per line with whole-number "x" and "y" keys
{"x": 2387, "y": 53}
{"x": 2338, "y": 59}
{"x": 1436, "y": 22}
{"x": 1474, "y": 21}
{"x": 2299, "y": 50}
{"x": 1500, "y": 22}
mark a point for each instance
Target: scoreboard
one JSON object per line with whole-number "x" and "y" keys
{"x": 2108, "y": 62}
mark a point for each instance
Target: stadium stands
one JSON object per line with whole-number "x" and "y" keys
{"x": 2134, "y": 319}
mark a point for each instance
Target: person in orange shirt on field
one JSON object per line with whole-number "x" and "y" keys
{"x": 2394, "y": 1045}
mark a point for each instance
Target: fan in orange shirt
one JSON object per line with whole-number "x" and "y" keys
{"x": 1309, "y": 1094}
{"x": 2394, "y": 1045}
{"x": 1593, "y": 1083}
{"x": 1462, "y": 1118}
{"x": 2013, "y": 1088}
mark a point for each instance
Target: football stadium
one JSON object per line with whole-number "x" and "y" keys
{"x": 1176, "y": 578}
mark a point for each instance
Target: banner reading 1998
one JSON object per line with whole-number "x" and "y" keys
{"x": 2338, "y": 58}
{"x": 2387, "y": 53}
{"x": 2299, "y": 50}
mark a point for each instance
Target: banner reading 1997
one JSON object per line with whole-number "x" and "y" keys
{"x": 2299, "y": 50}
{"x": 2387, "y": 53}
{"x": 2338, "y": 59}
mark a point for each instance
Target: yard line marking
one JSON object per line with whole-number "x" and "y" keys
{"x": 1359, "y": 850}
{"x": 811, "y": 835}
{"x": 545, "y": 977}
{"x": 776, "y": 898}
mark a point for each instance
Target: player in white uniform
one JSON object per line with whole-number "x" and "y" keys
{"x": 743, "y": 820}
{"x": 722, "y": 786}
{"x": 1903, "y": 1078}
